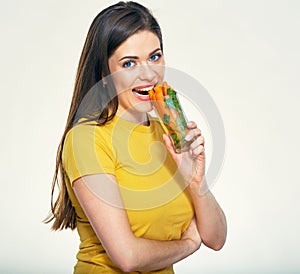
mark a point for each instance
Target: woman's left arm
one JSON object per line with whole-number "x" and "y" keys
{"x": 211, "y": 220}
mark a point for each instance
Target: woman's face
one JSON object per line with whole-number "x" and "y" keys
{"x": 136, "y": 66}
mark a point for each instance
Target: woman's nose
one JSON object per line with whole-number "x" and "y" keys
{"x": 146, "y": 72}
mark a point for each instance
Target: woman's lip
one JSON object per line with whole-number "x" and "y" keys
{"x": 141, "y": 97}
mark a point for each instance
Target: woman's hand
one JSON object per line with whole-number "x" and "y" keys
{"x": 191, "y": 163}
{"x": 210, "y": 219}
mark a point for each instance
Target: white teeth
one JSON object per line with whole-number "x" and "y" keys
{"x": 145, "y": 89}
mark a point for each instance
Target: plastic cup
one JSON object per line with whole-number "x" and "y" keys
{"x": 170, "y": 113}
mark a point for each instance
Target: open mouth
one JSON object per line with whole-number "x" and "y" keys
{"x": 142, "y": 91}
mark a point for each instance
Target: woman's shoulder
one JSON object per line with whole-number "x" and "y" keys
{"x": 80, "y": 130}
{"x": 86, "y": 128}
{"x": 87, "y": 133}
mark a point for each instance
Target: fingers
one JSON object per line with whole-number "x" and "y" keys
{"x": 191, "y": 125}
{"x": 197, "y": 146}
{"x": 197, "y": 151}
{"x": 198, "y": 142}
{"x": 193, "y": 133}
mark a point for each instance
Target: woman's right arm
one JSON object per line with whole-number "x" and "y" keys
{"x": 112, "y": 227}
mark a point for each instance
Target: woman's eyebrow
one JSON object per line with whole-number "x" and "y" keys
{"x": 136, "y": 57}
{"x": 129, "y": 57}
{"x": 151, "y": 53}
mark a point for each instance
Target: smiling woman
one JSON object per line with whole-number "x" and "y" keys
{"x": 136, "y": 203}
{"x": 136, "y": 74}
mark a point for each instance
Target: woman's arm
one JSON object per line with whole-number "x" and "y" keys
{"x": 211, "y": 221}
{"x": 110, "y": 223}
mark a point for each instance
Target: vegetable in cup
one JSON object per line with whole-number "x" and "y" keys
{"x": 170, "y": 113}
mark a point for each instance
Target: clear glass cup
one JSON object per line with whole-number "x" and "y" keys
{"x": 170, "y": 113}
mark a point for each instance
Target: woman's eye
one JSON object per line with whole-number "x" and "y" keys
{"x": 155, "y": 57}
{"x": 128, "y": 64}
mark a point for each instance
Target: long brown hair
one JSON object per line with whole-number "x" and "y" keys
{"x": 110, "y": 28}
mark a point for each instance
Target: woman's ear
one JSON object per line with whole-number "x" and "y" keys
{"x": 104, "y": 81}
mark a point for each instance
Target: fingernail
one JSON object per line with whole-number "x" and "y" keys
{"x": 189, "y": 124}
{"x": 188, "y": 137}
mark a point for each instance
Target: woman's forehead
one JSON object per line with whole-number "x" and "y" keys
{"x": 138, "y": 44}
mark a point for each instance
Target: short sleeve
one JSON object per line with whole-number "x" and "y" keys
{"x": 86, "y": 152}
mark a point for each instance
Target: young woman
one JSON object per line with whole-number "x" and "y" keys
{"x": 137, "y": 205}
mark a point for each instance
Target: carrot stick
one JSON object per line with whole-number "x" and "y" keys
{"x": 165, "y": 88}
{"x": 159, "y": 93}
{"x": 151, "y": 94}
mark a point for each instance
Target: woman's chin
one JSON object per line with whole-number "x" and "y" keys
{"x": 144, "y": 107}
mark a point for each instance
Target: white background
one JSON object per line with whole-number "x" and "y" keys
{"x": 246, "y": 54}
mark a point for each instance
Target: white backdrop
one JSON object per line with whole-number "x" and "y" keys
{"x": 246, "y": 53}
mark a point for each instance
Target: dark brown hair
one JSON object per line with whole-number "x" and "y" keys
{"x": 108, "y": 31}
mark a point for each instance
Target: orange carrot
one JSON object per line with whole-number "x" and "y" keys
{"x": 151, "y": 94}
{"x": 165, "y": 88}
{"x": 159, "y": 93}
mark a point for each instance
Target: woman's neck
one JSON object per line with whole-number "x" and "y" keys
{"x": 140, "y": 118}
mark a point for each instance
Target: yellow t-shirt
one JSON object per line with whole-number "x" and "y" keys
{"x": 157, "y": 205}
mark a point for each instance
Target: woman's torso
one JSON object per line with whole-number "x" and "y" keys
{"x": 156, "y": 203}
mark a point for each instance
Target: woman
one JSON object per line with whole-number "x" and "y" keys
{"x": 136, "y": 205}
